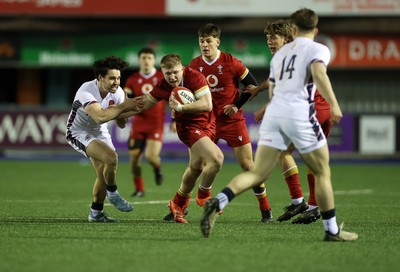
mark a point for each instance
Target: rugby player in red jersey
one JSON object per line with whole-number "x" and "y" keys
{"x": 223, "y": 73}
{"x": 147, "y": 127}
{"x": 195, "y": 127}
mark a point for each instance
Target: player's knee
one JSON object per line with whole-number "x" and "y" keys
{"x": 112, "y": 160}
{"x": 246, "y": 165}
{"x": 219, "y": 160}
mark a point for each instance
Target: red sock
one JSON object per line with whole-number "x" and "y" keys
{"x": 263, "y": 203}
{"x": 139, "y": 184}
{"x": 311, "y": 185}
{"x": 261, "y": 193}
{"x": 294, "y": 186}
{"x": 203, "y": 192}
{"x": 181, "y": 201}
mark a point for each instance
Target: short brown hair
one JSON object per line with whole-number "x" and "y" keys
{"x": 170, "y": 60}
{"x": 305, "y": 19}
{"x": 281, "y": 28}
{"x": 209, "y": 30}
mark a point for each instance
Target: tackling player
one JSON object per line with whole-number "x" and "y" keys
{"x": 96, "y": 102}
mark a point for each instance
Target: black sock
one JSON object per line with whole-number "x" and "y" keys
{"x": 328, "y": 214}
{"x": 111, "y": 188}
{"x": 228, "y": 192}
{"x": 97, "y": 206}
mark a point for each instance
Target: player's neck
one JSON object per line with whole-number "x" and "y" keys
{"x": 213, "y": 57}
{"x": 147, "y": 71}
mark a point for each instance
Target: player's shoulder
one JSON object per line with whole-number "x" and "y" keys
{"x": 88, "y": 86}
{"x": 191, "y": 71}
{"x": 225, "y": 56}
{"x": 196, "y": 61}
{"x": 159, "y": 73}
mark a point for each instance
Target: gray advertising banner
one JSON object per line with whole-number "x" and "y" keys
{"x": 45, "y": 129}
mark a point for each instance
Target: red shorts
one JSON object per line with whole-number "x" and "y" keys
{"x": 190, "y": 134}
{"x": 146, "y": 135}
{"x": 324, "y": 119}
{"x": 233, "y": 131}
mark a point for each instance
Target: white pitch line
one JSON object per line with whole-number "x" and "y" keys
{"x": 354, "y": 192}
{"x": 157, "y": 202}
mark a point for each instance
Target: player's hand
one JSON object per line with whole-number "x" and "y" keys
{"x": 173, "y": 103}
{"x": 134, "y": 104}
{"x": 253, "y": 90}
{"x": 230, "y": 110}
{"x": 336, "y": 114}
{"x": 258, "y": 115}
{"x": 172, "y": 126}
{"x": 121, "y": 122}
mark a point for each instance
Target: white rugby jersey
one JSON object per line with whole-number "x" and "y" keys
{"x": 291, "y": 73}
{"x": 87, "y": 94}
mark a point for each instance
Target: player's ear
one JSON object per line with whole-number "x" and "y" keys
{"x": 218, "y": 41}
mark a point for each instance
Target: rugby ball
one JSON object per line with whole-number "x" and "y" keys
{"x": 183, "y": 95}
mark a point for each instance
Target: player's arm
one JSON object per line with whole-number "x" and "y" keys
{"x": 249, "y": 79}
{"x": 323, "y": 84}
{"x": 101, "y": 116}
{"x": 254, "y": 90}
{"x": 146, "y": 104}
{"x": 203, "y": 102}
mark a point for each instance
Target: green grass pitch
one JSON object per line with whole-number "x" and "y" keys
{"x": 44, "y": 207}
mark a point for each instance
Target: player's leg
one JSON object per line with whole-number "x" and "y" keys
{"x": 312, "y": 214}
{"x": 318, "y": 162}
{"x": 244, "y": 155}
{"x": 97, "y": 213}
{"x": 152, "y": 155}
{"x": 104, "y": 152}
{"x": 265, "y": 161}
{"x": 207, "y": 157}
{"x": 291, "y": 173}
{"x": 136, "y": 147}
{"x": 206, "y": 160}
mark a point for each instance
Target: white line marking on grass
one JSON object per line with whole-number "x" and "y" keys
{"x": 354, "y": 192}
{"x": 151, "y": 202}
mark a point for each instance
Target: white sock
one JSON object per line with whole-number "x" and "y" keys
{"x": 111, "y": 194}
{"x": 331, "y": 225}
{"x": 297, "y": 201}
{"x": 95, "y": 212}
{"x": 311, "y": 207}
{"x": 223, "y": 200}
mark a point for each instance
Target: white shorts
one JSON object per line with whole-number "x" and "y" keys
{"x": 279, "y": 133}
{"x": 81, "y": 140}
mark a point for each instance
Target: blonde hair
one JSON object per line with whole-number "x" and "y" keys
{"x": 281, "y": 28}
{"x": 169, "y": 61}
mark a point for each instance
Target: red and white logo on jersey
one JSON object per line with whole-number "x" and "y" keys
{"x": 212, "y": 80}
{"x": 147, "y": 88}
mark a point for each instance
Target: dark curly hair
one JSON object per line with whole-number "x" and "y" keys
{"x": 101, "y": 67}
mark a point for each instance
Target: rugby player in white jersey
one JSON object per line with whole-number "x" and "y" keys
{"x": 96, "y": 102}
{"x": 297, "y": 69}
